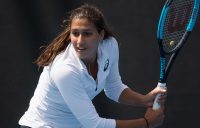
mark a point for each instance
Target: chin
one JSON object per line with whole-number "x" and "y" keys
{"x": 82, "y": 57}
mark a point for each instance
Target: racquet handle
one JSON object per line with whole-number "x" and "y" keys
{"x": 156, "y": 105}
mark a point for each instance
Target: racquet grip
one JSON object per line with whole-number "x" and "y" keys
{"x": 156, "y": 105}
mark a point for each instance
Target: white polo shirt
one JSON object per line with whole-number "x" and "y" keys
{"x": 65, "y": 89}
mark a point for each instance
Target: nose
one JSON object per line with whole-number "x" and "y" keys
{"x": 80, "y": 39}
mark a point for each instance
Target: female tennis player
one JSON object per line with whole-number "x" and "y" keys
{"x": 78, "y": 64}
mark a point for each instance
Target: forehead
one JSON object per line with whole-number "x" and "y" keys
{"x": 82, "y": 23}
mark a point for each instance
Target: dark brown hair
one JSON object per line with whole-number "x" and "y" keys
{"x": 59, "y": 44}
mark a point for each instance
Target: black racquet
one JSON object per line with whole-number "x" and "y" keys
{"x": 176, "y": 22}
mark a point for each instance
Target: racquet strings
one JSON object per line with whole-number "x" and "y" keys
{"x": 176, "y": 22}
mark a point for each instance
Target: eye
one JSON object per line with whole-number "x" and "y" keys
{"x": 76, "y": 34}
{"x": 87, "y": 34}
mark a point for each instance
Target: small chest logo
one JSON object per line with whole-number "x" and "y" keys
{"x": 106, "y": 65}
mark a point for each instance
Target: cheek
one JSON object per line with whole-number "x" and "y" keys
{"x": 72, "y": 39}
{"x": 73, "y": 43}
{"x": 94, "y": 45}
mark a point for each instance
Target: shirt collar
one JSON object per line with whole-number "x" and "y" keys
{"x": 102, "y": 57}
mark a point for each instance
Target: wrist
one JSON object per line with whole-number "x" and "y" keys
{"x": 145, "y": 101}
{"x": 147, "y": 122}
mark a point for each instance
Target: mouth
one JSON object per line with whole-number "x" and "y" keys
{"x": 80, "y": 49}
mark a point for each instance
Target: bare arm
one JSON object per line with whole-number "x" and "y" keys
{"x": 137, "y": 123}
{"x": 130, "y": 97}
{"x": 154, "y": 119}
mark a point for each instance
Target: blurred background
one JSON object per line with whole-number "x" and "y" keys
{"x": 25, "y": 25}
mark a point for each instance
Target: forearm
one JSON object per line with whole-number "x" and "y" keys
{"x": 132, "y": 98}
{"x": 137, "y": 123}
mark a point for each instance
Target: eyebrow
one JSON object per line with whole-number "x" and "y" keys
{"x": 81, "y": 29}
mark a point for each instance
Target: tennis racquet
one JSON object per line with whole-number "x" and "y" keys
{"x": 176, "y": 22}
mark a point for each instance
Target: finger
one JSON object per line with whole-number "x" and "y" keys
{"x": 161, "y": 100}
{"x": 163, "y": 96}
{"x": 159, "y": 90}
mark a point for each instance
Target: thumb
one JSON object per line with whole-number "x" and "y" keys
{"x": 158, "y": 90}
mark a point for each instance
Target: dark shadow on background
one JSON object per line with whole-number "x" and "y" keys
{"x": 26, "y": 25}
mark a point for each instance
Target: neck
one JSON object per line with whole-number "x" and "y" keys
{"x": 92, "y": 68}
{"x": 90, "y": 61}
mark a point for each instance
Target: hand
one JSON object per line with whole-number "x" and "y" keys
{"x": 149, "y": 98}
{"x": 155, "y": 118}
